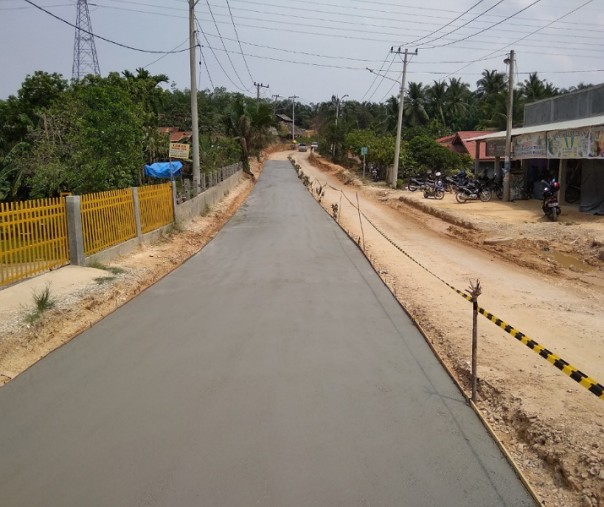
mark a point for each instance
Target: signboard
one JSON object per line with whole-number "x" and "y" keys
{"x": 572, "y": 143}
{"x": 179, "y": 150}
{"x": 364, "y": 150}
{"x": 496, "y": 148}
{"x": 529, "y": 146}
{"x": 596, "y": 142}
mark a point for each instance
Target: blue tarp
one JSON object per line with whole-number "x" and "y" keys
{"x": 163, "y": 169}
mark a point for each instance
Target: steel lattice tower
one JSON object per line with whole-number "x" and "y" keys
{"x": 85, "y": 60}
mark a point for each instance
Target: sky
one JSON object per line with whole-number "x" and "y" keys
{"x": 313, "y": 49}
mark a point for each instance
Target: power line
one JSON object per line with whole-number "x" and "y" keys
{"x": 216, "y": 57}
{"x": 132, "y": 48}
{"x": 224, "y": 46}
{"x": 376, "y": 77}
{"x": 205, "y": 63}
{"x": 163, "y": 56}
{"x": 238, "y": 41}
{"x": 484, "y": 29}
{"x": 528, "y": 35}
{"x": 451, "y": 22}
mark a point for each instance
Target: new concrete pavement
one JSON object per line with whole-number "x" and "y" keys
{"x": 272, "y": 369}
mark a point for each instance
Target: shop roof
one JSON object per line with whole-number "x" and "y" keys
{"x": 561, "y": 125}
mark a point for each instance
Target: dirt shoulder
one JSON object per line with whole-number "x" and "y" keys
{"x": 544, "y": 278}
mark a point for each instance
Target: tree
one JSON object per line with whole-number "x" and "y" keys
{"x": 437, "y": 100}
{"x": 414, "y": 110}
{"x": 534, "y": 88}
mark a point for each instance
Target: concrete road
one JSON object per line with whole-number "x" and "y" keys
{"x": 272, "y": 369}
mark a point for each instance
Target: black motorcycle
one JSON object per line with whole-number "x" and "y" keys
{"x": 494, "y": 185}
{"x": 416, "y": 183}
{"x": 473, "y": 191}
{"x": 551, "y": 206}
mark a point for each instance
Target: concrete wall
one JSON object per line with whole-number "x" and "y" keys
{"x": 570, "y": 106}
{"x": 203, "y": 202}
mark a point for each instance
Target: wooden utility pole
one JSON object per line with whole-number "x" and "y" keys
{"x": 293, "y": 97}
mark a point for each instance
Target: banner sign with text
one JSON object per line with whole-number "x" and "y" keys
{"x": 529, "y": 146}
{"x": 179, "y": 150}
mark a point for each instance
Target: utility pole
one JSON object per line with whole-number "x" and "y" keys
{"x": 399, "y": 126}
{"x": 194, "y": 110}
{"x": 508, "y": 131}
{"x": 258, "y": 86}
{"x": 335, "y": 141}
{"x": 276, "y": 97}
{"x": 293, "y": 97}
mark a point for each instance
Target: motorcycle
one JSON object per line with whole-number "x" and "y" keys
{"x": 551, "y": 206}
{"x": 454, "y": 183}
{"x": 494, "y": 185}
{"x": 416, "y": 183}
{"x": 473, "y": 191}
{"x": 374, "y": 174}
{"x": 434, "y": 188}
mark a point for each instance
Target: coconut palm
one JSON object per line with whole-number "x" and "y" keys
{"x": 437, "y": 97}
{"x": 414, "y": 107}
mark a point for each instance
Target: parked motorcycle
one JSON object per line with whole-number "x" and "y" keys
{"x": 454, "y": 183}
{"x": 473, "y": 191}
{"x": 374, "y": 174}
{"x": 434, "y": 188}
{"x": 416, "y": 183}
{"x": 551, "y": 206}
{"x": 494, "y": 185}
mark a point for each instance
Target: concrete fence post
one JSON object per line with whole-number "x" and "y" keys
{"x": 75, "y": 234}
{"x": 174, "y": 203}
{"x": 137, "y": 214}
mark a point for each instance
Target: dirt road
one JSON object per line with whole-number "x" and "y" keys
{"x": 552, "y": 426}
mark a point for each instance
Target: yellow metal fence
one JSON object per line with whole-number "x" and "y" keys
{"x": 156, "y": 208}
{"x": 107, "y": 219}
{"x": 33, "y": 238}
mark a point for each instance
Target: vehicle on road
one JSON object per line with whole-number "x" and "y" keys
{"x": 314, "y": 146}
{"x": 551, "y": 206}
{"x": 302, "y": 147}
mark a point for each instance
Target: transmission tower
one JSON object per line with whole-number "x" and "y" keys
{"x": 85, "y": 60}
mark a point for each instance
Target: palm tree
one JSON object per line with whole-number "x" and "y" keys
{"x": 490, "y": 85}
{"x": 457, "y": 102}
{"x": 414, "y": 108}
{"x": 437, "y": 97}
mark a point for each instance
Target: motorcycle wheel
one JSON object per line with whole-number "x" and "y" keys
{"x": 426, "y": 195}
{"x": 484, "y": 195}
{"x": 499, "y": 193}
{"x": 461, "y": 197}
{"x": 553, "y": 215}
{"x": 411, "y": 188}
{"x": 439, "y": 194}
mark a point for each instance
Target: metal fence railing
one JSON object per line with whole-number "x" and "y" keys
{"x": 33, "y": 238}
{"x": 107, "y": 219}
{"x": 156, "y": 207}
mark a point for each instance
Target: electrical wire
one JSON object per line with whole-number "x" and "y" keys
{"x": 213, "y": 50}
{"x": 132, "y": 48}
{"x": 225, "y": 48}
{"x": 450, "y": 23}
{"x": 163, "y": 56}
{"x": 376, "y": 77}
{"x": 238, "y": 41}
{"x": 528, "y": 35}
{"x": 484, "y": 29}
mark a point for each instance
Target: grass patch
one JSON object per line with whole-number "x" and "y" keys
{"x": 112, "y": 269}
{"x": 43, "y": 301}
{"x": 104, "y": 279}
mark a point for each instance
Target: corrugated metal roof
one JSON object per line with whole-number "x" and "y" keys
{"x": 562, "y": 125}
